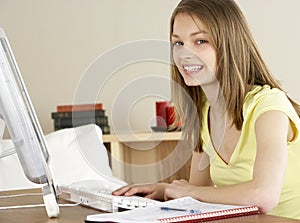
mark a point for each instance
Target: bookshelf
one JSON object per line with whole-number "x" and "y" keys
{"x": 139, "y": 157}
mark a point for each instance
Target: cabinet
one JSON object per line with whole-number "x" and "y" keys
{"x": 148, "y": 157}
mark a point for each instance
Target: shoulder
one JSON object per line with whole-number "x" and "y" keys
{"x": 264, "y": 98}
{"x": 264, "y": 94}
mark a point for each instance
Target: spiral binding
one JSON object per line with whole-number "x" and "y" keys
{"x": 216, "y": 215}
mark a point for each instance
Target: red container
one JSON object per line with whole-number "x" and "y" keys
{"x": 170, "y": 115}
{"x": 161, "y": 113}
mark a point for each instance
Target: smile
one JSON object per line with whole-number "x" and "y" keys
{"x": 192, "y": 68}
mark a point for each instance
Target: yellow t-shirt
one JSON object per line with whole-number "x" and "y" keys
{"x": 240, "y": 167}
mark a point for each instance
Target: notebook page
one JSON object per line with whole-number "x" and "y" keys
{"x": 151, "y": 214}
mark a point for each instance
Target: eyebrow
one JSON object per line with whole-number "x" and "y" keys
{"x": 192, "y": 34}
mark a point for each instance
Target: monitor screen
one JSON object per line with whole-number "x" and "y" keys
{"x": 20, "y": 118}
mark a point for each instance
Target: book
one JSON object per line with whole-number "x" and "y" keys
{"x": 73, "y": 115}
{"x": 103, "y": 120}
{"x": 186, "y": 209}
{"x": 78, "y": 114}
{"x": 78, "y": 107}
{"x": 105, "y": 129}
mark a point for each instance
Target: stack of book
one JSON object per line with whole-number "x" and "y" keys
{"x": 68, "y": 116}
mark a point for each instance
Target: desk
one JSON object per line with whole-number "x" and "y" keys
{"x": 73, "y": 214}
{"x": 77, "y": 214}
{"x": 147, "y": 157}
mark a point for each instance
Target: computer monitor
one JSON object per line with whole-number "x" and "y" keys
{"x": 23, "y": 126}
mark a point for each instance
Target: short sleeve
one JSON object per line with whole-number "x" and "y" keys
{"x": 268, "y": 99}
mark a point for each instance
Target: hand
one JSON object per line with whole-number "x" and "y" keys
{"x": 153, "y": 191}
{"x": 177, "y": 189}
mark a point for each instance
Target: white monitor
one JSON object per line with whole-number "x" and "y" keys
{"x": 23, "y": 126}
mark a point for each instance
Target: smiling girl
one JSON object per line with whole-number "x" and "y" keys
{"x": 244, "y": 126}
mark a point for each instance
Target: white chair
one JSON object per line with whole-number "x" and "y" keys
{"x": 12, "y": 175}
{"x": 76, "y": 154}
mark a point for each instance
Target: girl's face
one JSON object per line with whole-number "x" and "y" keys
{"x": 193, "y": 53}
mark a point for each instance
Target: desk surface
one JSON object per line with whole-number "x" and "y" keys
{"x": 77, "y": 214}
{"x": 72, "y": 214}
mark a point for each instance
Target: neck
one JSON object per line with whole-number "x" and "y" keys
{"x": 215, "y": 98}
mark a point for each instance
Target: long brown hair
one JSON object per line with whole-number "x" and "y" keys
{"x": 239, "y": 63}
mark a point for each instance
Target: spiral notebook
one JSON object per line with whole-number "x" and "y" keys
{"x": 184, "y": 209}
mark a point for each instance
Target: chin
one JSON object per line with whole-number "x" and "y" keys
{"x": 191, "y": 83}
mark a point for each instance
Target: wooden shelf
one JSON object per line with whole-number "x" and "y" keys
{"x": 145, "y": 157}
{"x": 142, "y": 136}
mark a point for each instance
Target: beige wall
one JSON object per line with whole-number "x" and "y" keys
{"x": 275, "y": 25}
{"x": 58, "y": 43}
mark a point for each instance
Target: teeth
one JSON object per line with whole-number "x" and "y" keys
{"x": 192, "y": 68}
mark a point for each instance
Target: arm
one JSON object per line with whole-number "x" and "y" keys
{"x": 264, "y": 189}
{"x": 200, "y": 171}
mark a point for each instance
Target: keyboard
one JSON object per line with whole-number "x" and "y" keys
{"x": 101, "y": 198}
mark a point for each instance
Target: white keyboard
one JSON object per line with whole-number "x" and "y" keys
{"x": 102, "y": 199}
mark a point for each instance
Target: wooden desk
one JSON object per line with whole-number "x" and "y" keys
{"x": 74, "y": 214}
{"x": 147, "y": 157}
{"x": 77, "y": 214}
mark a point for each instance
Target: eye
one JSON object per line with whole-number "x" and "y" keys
{"x": 200, "y": 41}
{"x": 177, "y": 43}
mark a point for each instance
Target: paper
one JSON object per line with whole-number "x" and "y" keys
{"x": 151, "y": 214}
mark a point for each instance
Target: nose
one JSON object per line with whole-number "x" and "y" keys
{"x": 186, "y": 53}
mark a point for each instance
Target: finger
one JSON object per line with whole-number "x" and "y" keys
{"x": 179, "y": 182}
{"x": 174, "y": 183}
{"x": 121, "y": 190}
{"x": 151, "y": 196}
{"x": 183, "y": 181}
{"x": 167, "y": 197}
{"x": 167, "y": 192}
{"x": 137, "y": 190}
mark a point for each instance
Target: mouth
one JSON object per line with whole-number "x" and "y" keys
{"x": 192, "y": 68}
